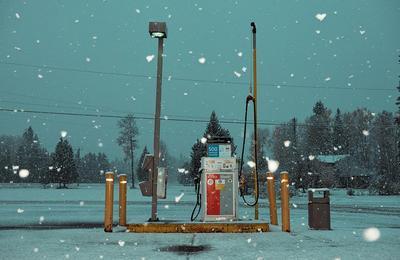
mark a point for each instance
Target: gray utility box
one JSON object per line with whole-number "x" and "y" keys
{"x": 319, "y": 210}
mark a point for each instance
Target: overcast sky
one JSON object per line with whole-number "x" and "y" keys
{"x": 344, "y": 53}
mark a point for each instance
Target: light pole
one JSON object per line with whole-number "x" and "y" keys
{"x": 157, "y": 30}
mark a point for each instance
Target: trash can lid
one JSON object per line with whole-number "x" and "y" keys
{"x": 318, "y": 189}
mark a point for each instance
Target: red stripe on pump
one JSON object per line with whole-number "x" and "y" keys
{"x": 213, "y": 195}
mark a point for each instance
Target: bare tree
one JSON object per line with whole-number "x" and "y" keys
{"x": 127, "y": 140}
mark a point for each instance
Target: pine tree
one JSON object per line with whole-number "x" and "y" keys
{"x": 64, "y": 164}
{"x": 31, "y": 156}
{"x": 387, "y": 181}
{"x": 199, "y": 149}
{"x": 318, "y": 130}
{"x": 127, "y": 140}
{"x": 142, "y": 174}
{"x": 339, "y": 138}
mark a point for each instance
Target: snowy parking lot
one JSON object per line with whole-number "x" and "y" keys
{"x": 67, "y": 223}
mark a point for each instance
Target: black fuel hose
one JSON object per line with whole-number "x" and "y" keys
{"x": 248, "y": 99}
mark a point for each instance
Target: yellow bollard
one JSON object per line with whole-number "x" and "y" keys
{"x": 285, "y": 201}
{"x": 272, "y": 198}
{"x": 122, "y": 199}
{"x": 108, "y": 212}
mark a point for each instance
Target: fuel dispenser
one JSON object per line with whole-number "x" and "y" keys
{"x": 217, "y": 183}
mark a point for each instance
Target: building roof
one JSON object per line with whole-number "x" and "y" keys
{"x": 331, "y": 158}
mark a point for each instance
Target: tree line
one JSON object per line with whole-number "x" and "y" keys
{"x": 61, "y": 167}
{"x": 359, "y": 146}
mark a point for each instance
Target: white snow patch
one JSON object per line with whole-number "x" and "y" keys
{"x": 20, "y": 211}
{"x": 203, "y": 140}
{"x": 181, "y": 170}
{"x": 311, "y": 157}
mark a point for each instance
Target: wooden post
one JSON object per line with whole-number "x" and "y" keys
{"x": 108, "y": 212}
{"x": 272, "y": 198}
{"x": 122, "y": 199}
{"x": 285, "y": 201}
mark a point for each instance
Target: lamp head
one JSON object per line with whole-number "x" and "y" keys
{"x": 158, "y": 29}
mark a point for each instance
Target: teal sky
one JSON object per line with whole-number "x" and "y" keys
{"x": 347, "y": 60}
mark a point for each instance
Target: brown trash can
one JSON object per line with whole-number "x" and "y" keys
{"x": 319, "y": 210}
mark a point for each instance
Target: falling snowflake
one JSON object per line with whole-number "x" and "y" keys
{"x": 317, "y": 31}
{"x": 249, "y": 240}
{"x": 178, "y": 198}
{"x": 291, "y": 75}
{"x": 362, "y": 32}
{"x": 237, "y": 74}
{"x": 244, "y": 69}
{"x": 121, "y": 243}
{"x": 203, "y": 140}
{"x": 202, "y": 60}
{"x": 100, "y": 144}
{"x": 23, "y": 173}
{"x": 181, "y": 170}
{"x": 20, "y": 211}
{"x": 17, "y": 15}
{"x": 320, "y": 17}
{"x": 36, "y": 250}
{"x": 272, "y": 165}
{"x": 76, "y": 21}
{"x": 240, "y": 54}
{"x": 138, "y": 11}
{"x": 185, "y": 93}
{"x": 287, "y": 143}
{"x": 365, "y": 132}
{"x": 40, "y": 76}
{"x": 82, "y": 203}
{"x": 371, "y": 234}
{"x": 311, "y": 157}
{"x": 87, "y": 59}
{"x": 63, "y": 133}
{"x": 251, "y": 164}
{"x": 166, "y": 206}
{"x": 41, "y": 219}
{"x": 149, "y": 58}
{"x": 328, "y": 79}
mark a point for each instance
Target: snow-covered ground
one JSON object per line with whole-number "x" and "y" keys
{"x": 41, "y": 223}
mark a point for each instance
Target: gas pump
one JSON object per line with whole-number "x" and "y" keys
{"x": 217, "y": 184}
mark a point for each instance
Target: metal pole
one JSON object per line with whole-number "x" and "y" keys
{"x": 108, "y": 211}
{"x": 255, "y": 116}
{"x": 122, "y": 199}
{"x": 157, "y": 131}
{"x": 272, "y": 198}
